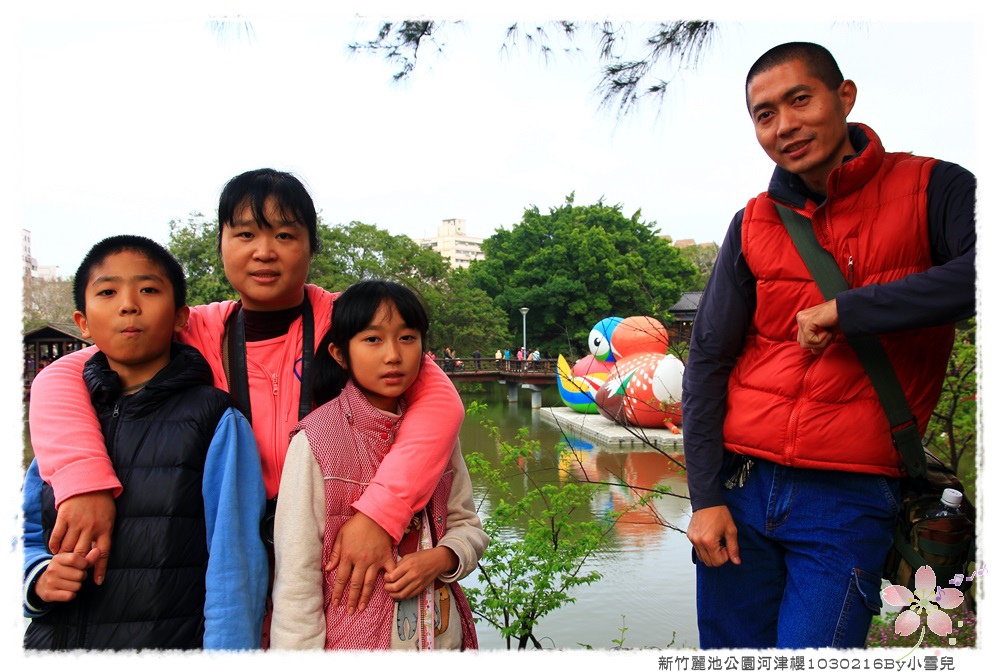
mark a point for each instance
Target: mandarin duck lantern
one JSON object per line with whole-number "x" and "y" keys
{"x": 629, "y": 378}
{"x": 578, "y": 385}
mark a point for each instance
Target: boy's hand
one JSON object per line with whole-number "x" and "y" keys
{"x": 361, "y": 550}
{"x": 63, "y": 578}
{"x": 418, "y": 570}
{"x": 84, "y": 522}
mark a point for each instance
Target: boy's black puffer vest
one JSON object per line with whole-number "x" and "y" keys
{"x": 153, "y": 596}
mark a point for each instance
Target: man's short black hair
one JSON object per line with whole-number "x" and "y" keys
{"x": 818, "y": 60}
{"x": 254, "y": 187}
{"x": 150, "y": 249}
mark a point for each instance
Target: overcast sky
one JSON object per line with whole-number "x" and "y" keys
{"x": 117, "y": 120}
{"x": 128, "y": 122}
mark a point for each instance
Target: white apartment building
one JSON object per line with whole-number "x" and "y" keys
{"x": 47, "y": 272}
{"x": 28, "y": 262}
{"x": 31, "y": 268}
{"x": 452, "y": 243}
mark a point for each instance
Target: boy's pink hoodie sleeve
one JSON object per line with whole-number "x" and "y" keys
{"x": 411, "y": 470}
{"x": 65, "y": 433}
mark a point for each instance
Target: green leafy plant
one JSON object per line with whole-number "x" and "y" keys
{"x": 541, "y": 535}
{"x": 952, "y": 431}
{"x": 619, "y": 642}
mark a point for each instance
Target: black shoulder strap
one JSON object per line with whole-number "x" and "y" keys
{"x": 235, "y": 348}
{"x": 308, "y": 351}
{"x": 235, "y": 359}
{"x": 869, "y": 349}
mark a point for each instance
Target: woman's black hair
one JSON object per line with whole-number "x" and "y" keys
{"x": 254, "y": 187}
{"x": 353, "y": 311}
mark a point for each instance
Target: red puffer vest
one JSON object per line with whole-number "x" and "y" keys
{"x": 799, "y": 409}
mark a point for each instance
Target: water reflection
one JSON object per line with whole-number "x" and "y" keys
{"x": 648, "y": 576}
{"x": 635, "y": 474}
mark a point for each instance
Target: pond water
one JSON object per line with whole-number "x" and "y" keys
{"x": 648, "y": 579}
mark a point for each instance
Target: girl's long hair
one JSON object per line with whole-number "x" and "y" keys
{"x": 353, "y": 311}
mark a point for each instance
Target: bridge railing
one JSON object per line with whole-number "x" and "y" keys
{"x": 493, "y": 365}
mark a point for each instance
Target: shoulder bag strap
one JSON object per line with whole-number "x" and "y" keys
{"x": 308, "y": 351}
{"x": 235, "y": 359}
{"x": 869, "y": 349}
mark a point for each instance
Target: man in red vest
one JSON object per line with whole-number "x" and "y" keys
{"x": 793, "y": 475}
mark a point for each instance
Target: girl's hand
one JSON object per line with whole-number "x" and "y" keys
{"x": 416, "y": 571}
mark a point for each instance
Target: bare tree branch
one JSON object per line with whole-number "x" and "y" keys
{"x": 625, "y": 82}
{"x": 230, "y": 29}
{"x": 400, "y": 42}
{"x": 676, "y": 45}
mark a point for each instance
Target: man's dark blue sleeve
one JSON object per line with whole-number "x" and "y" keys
{"x": 717, "y": 338}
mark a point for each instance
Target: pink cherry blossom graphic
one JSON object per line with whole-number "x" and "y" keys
{"x": 927, "y": 598}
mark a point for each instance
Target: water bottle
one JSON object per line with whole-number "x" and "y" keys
{"x": 950, "y": 504}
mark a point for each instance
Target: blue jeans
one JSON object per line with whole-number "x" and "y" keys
{"x": 812, "y": 544}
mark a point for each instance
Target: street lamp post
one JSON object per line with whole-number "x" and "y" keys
{"x": 524, "y": 329}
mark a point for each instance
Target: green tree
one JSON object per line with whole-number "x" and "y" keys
{"x": 703, "y": 257}
{"x": 575, "y": 266}
{"x": 465, "y": 318}
{"x": 537, "y": 549}
{"x": 952, "y": 431}
{"x": 357, "y": 251}
{"x": 48, "y": 301}
{"x": 195, "y": 244}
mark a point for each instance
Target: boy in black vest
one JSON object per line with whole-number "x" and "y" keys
{"x": 189, "y": 570}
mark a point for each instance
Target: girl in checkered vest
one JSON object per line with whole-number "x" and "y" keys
{"x": 370, "y": 356}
